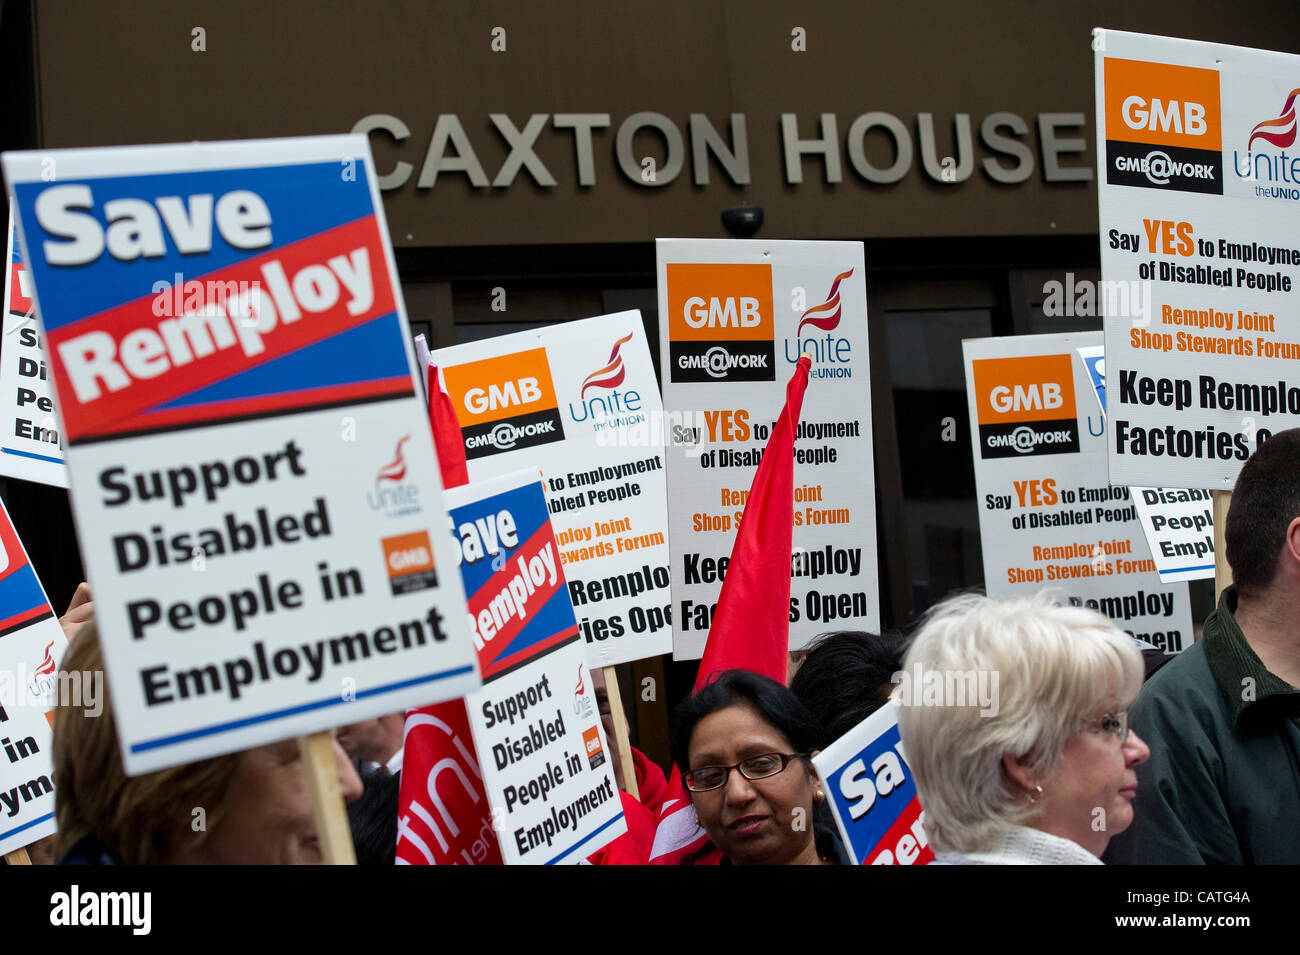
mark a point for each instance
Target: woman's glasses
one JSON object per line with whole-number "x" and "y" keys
{"x": 1116, "y": 723}
{"x": 754, "y": 767}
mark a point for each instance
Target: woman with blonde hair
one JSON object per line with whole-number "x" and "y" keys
{"x": 252, "y": 807}
{"x": 1040, "y": 769}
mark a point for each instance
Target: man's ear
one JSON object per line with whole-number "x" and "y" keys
{"x": 1017, "y": 770}
{"x": 1293, "y": 540}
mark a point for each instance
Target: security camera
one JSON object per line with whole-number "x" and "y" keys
{"x": 743, "y": 221}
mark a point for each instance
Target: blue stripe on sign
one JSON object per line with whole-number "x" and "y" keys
{"x": 26, "y": 825}
{"x": 290, "y": 711}
{"x": 20, "y": 591}
{"x": 586, "y": 838}
{"x": 361, "y": 353}
{"x": 1179, "y": 570}
{"x": 28, "y": 454}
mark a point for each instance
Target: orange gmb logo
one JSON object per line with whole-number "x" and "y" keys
{"x": 721, "y": 326}
{"x": 1025, "y": 405}
{"x": 1164, "y": 126}
{"x": 591, "y": 739}
{"x": 505, "y": 403}
{"x": 408, "y": 558}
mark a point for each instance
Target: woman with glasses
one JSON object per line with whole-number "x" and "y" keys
{"x": 1040, "y": 770}
{"x": 745, "y": 744}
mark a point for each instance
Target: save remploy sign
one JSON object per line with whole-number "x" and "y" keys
{"x": 872, "y": 794}
{"x": 251, "y": 468}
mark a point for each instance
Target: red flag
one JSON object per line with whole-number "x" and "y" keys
{"x": 751, "y": 628}
{"x": 439, "y": 770}
{"x": 446, "y": 433}
{"x": 443, "y": 816}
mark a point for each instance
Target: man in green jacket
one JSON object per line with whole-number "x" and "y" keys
{"x": 1222, "y": 719}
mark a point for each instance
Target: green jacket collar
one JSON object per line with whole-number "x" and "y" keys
{"x": 1246, "y": 683}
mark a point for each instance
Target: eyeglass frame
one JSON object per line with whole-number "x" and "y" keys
{"x": 1121, "y": 718}
{"x": 786, "y": 760}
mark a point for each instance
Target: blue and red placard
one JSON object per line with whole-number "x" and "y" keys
{"x": 872, "y": 794}
{"x": 264, "y": 324}
{"x": 519, "y": 604}
{"x": 22, "y": 601}
{"x": 19, "y": 303}
{"x": 232, "y": 311}
{"x": 31, "y": 645}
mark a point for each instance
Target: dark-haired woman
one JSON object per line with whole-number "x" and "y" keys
{"x": 846, "y": 676}
{"x": 745, "y": 744}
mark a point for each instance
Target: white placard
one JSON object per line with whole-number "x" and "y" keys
{"x": 734, "y": 317}
{"x": 31, "y": 446}
{"x": 31, "y": 646}
{"x": 1198, "y": 206}
{"x": 1049, "y": 516}
{"x": 252, "y": 473}
{"x": 1179, "y": 527}
{"x": 1178, "y": 522}
{"x": 541, "y": 747}
{"x": 579, "y": 402}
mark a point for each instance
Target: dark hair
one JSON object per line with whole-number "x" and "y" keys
{"x": 373, "y": 819}
{"x": 773, "y": 702}
{"x": 1264, "y": 502}
{"x": 846, "y": 676}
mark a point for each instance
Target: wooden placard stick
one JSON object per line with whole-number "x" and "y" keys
{"x": 1222, "y": 572}
{"x": 621, "y": 741}
{"x": 18, "y": 857}
{"x": 327, "y": 799}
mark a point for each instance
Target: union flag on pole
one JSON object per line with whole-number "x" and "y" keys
{"x": 440, "y": 772}
{"x": 751, "y": 629}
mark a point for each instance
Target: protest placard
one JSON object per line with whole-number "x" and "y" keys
{"x": 252, "y": 476}
{"x": 872, "y": 794}
{"x": 31, "y": 645}
{"x": 579, "y": 401}
{"x": 30, "y": 445}
{"x": 1197, "y": 200}
{"x": 541, "y": 748}
{"x": 1049, "y": 516}
{"x": 1177, "y": 522}
{"x": 734, "y": 318}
